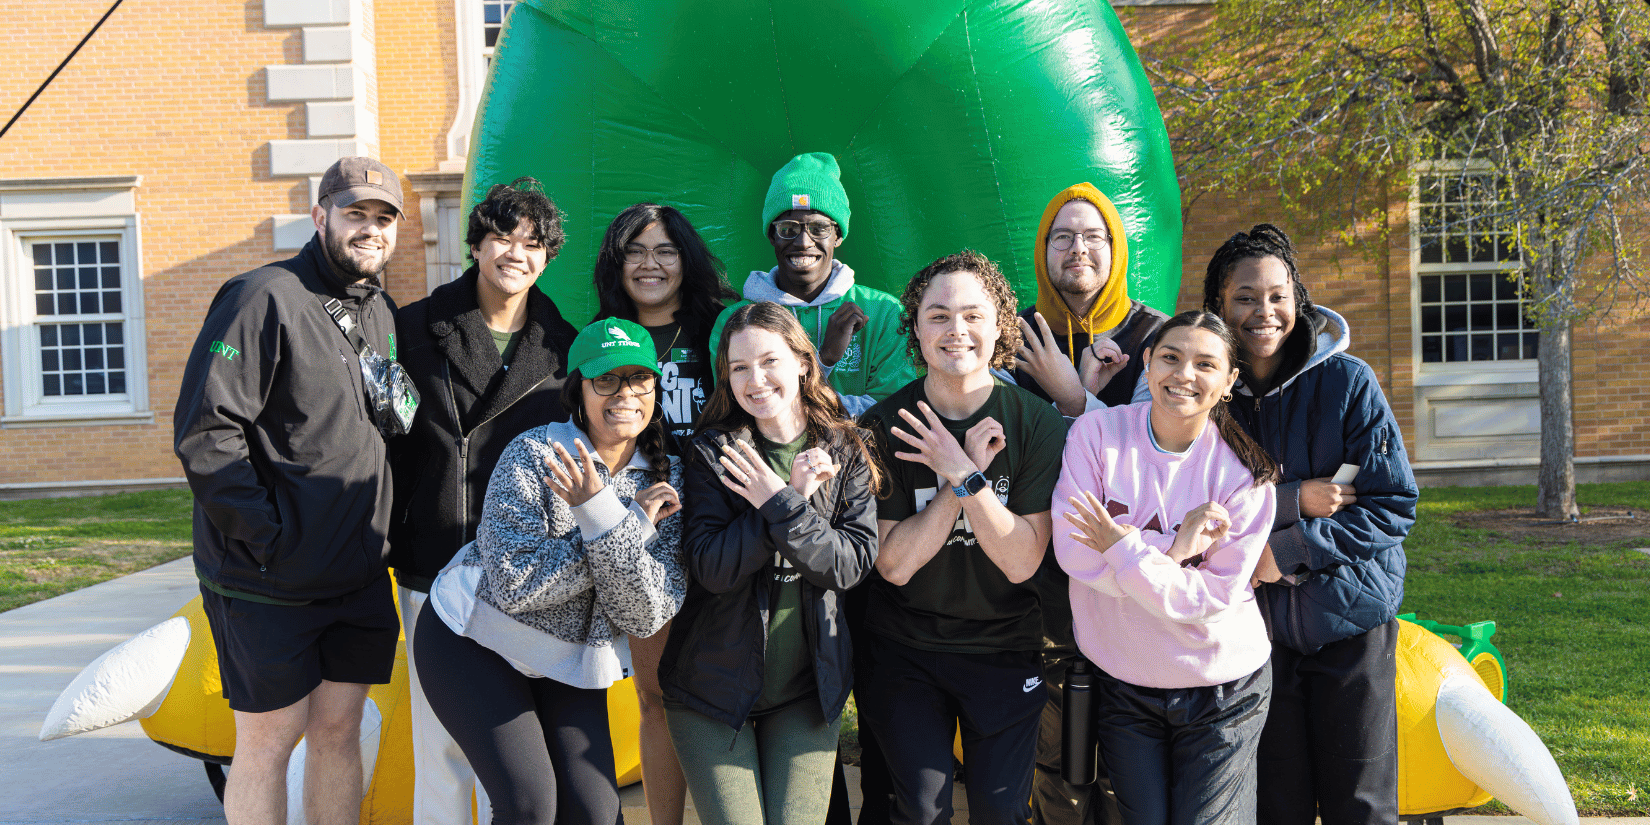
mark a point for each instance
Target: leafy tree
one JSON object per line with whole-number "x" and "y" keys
{"x": 1338, "y": 103}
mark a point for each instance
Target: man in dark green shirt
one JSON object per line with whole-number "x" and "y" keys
{"x": 954, "y": 626}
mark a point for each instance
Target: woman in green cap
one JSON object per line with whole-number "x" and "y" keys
{"x": 579, "y": 545}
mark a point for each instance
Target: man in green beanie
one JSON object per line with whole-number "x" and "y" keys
{"x": 855, "y": 328}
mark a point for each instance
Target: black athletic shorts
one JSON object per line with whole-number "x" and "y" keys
{"x": 271, "y": 656}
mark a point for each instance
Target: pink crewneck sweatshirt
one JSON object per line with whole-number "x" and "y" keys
{"x": 1140, "y": 616}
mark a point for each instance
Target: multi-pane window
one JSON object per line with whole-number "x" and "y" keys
{"x": 71, "y": 303}
{"x": 1469, "y": 273}
{"x": 79, "y": 315}
{"x": 493, "y": 13}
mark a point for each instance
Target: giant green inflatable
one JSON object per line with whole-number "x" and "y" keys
{"x": 954, "y": 121}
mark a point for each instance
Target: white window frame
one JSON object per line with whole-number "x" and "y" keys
{"x": 55, "y": 209}
{"x": 1500, "y": 371}
{"x": 474, "y": 57}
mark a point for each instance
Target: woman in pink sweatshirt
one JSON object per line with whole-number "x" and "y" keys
{"x": 1171, "y": 506}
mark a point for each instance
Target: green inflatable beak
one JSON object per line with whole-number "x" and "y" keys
{"x": 954, "y": 124}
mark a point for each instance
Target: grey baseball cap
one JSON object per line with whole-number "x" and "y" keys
{"x": 358, "y": 179}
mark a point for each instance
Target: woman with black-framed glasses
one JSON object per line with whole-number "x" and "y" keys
{"x": 579, "y": 547}
{"x": 655, "y": 270}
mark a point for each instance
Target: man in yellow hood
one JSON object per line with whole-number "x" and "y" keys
{"x": 1082, "y": 347}
{"x": 1084, "y": 338}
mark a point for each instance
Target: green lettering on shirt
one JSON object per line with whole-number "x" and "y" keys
{"x": 223, "y": 349}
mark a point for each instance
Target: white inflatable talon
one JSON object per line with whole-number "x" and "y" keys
{"x": 127, "y": 682}
{"x": 1498, "y": 751}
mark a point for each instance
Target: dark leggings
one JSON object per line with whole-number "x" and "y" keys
{"x": 541, "y": 748}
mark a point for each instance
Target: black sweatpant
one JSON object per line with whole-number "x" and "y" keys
{"x": 1183, "y": 756}
{"x": 541, "y": 748}
{"x": 1330, "y": 747}
{"x": 914, "y": 700}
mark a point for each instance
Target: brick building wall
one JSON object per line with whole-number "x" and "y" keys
{"x": 177, "y": 95}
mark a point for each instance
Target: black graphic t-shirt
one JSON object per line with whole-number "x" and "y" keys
{"x": 683, "y": 380}
{"x": 960, "y": 601}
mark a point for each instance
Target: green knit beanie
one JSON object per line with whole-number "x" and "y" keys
{"x": 810, "y": 181}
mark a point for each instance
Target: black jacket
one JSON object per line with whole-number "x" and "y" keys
{"x": 288, "y": 470}
{"x": 713, "y": 661}
{"x": 470, "y": 410}
{"x": 1323, "y": 413}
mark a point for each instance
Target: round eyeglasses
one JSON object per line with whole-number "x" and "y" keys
{"x": 1062, "y": 241}
{"x": 662, "y": 255}
{"x": 818, "y": 230}
{"x": 608, "y": 383}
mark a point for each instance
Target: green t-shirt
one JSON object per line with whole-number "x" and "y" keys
{"x": 682, "y": 379}
{"x": 786, "y": 673}
{"x": 960, "y": 601}
{"x": 506, "y": 342}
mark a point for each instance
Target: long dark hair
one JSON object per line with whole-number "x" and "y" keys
{"x": 1262, "y": 241}
{"x": 821, "y": 409}
{"x": 651, "y": 442}
{"x": 704, "y": 291}
{"x": 1254, "y": 458}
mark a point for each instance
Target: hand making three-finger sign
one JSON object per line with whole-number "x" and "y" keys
{"x": 1095, "y": 528}
{"x": 748, "y": 474}
{"x": 936, "y": 448}
{"x": 576, "y": 482}
{"x": 810, "y": 468}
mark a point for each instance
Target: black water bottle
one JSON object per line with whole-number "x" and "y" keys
{"x": 1078, "y": 742}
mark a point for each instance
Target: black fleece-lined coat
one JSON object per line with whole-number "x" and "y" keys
{"x": 470, "y": 409}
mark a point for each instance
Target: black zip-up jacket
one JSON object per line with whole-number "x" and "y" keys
{"x": 713, "y": 661}
{"x": 290, "y": 475}
{"x": 470, "y": 409}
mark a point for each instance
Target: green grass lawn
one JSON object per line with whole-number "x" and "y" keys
{"x": 1572, "y": 620}
{"x": 52, "y": 546}
{"x": 1572, "y": 617}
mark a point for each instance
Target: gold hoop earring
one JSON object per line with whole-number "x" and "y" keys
{"x": 1226, "y": 397}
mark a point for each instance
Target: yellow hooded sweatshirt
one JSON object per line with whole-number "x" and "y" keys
{"x": 1112, "y": 305}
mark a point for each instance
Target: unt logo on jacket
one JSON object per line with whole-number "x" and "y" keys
{"x": 223, "y": 349}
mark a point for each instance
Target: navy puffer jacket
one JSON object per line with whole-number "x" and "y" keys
{"x": 1349, "y": 567}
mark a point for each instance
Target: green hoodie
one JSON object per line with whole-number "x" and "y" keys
{"x": 875, "y": 364}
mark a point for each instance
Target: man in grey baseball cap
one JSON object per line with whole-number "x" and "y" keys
{"x": 283, "y": 447}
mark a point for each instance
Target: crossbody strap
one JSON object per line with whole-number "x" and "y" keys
{"x": 340, "y": 316}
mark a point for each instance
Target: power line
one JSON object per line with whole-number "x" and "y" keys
{"x": 48, "y": 81}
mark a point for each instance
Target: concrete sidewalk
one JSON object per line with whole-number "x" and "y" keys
{"x": 118, "y": 774}
{"x": 112, "y": 775}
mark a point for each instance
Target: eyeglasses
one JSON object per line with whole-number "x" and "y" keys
{"x": 663, "y": 255}
{"x": 608, "y": 383}
{"x": 818, "y": 230}
{"x": 1062, "y": 241}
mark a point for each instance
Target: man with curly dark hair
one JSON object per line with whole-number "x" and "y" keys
{"x": 488, "y": 353}
{"x": 953, "y": 627}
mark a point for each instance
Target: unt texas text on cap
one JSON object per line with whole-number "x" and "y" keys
{"x": 359, "y": 179}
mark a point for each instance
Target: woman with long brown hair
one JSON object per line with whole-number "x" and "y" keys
{"x": 780, "y": 488}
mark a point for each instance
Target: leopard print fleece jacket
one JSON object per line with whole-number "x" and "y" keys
{"x": 581, "y": 577}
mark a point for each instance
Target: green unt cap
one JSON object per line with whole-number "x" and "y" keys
{"x": 610, "y": 343}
